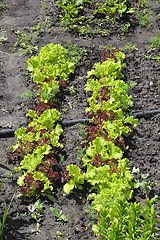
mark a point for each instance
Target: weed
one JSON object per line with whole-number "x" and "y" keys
{"x": 6, "y": 210}
{"x": 157, "y": 57}
{"x": 64, "y": 110}
{"x": 59, "y": 236}
{"x": 144, "y": 18}
{"x": 125, "y": 27}
{"x": 76, "y": 53}
{"x": 155, "y": 41}
{"x": 129, "y": 46}
{"x": 59, "y": 215}
{"x": 72, "y": 91}
{"x": 81, "y": 149}
{"x": 61, "y": 159}
{"x": 143, "y": 13}
{"x": 3, "y": 6}
{"x": 93, "y": 214}
{"x": 146, "y": 185}
{"x": 43, "y": 3}
{"x": 37, "y": 213}
{"x": 3, "y": 39}
{"x": 28, "y": 95}
{"x": 9, "y": 175}
{"x": 132, "y": 84}
{"x": 25, "y": 41}
{"x": 108, "y": 46}
{"x": 4, "y": 111}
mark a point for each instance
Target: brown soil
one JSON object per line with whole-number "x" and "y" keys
{"x": 143, "y": 144}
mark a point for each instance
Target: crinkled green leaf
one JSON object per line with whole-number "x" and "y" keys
{"x": 107, "y": 149}
{"x": 54, "y": 136}
{"x": 31, "y": 161}
{"x": 77, "y": 178}
{"x": 39, "y": 176}
{"x": 21, "y": 133}
{"x": 46, "y": 120}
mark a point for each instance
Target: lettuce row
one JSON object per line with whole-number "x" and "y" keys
{"x": 38, "y": 145}
{"x": 106, "y": 170}
{"x": 105, "y": 74}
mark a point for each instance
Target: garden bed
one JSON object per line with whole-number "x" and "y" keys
{"x": 141, "y": 68}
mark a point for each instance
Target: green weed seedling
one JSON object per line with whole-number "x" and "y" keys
{"x": 132, "y": 84}
{"x": 93, "y": 214}
{"x": 81, "y": 150}
{"x": 157, "y": 57}
{"x": 64, "y": 110}
{"x": 146, "y": 185}
{"x": 72, "y": 91}
{"x": 125, "y": 27}
{"x": 129, "y": 46}
{"x": 3, "y": 6}
{"x": 43, "y": 3}
{"x": 155, "y": 42}
{"x": 60, "y": 215}
{"x": 4, "y": 111}
{"x": 143, "y": 13}
{"x": 76, "y": 53}
{"x": 37, "y": 214}
{"x": 6, "y": 210}
{"x": 3, "y": 39}
{"x": 59, "y": 236}
{"x": 41, "y": 26}
{"x": 24, "y": 43}
{"x": 28, "y": 95}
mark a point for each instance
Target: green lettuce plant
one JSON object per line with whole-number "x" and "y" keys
{"x": 48, "y": 68}
{"x": 107, "y": 150}
{"x": 77, "y": 179}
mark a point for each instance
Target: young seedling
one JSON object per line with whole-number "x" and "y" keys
{"x": 155, "y": 42}
{"x": 59, "y": 236}
{"x": 3, "y": 39}
{"x": 59, "y": 215}
{"x": 37, "y": 213}
{"x": 28, "y": 95}
{"x": 146, "y": 185}
{"x": 72, "y": 91}
{"x": 6, "y": 210}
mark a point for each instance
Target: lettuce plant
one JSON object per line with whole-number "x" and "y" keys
{"x": 49, "y": 69}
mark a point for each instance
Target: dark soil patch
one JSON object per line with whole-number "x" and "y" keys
{"x": 144, "y": 144}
